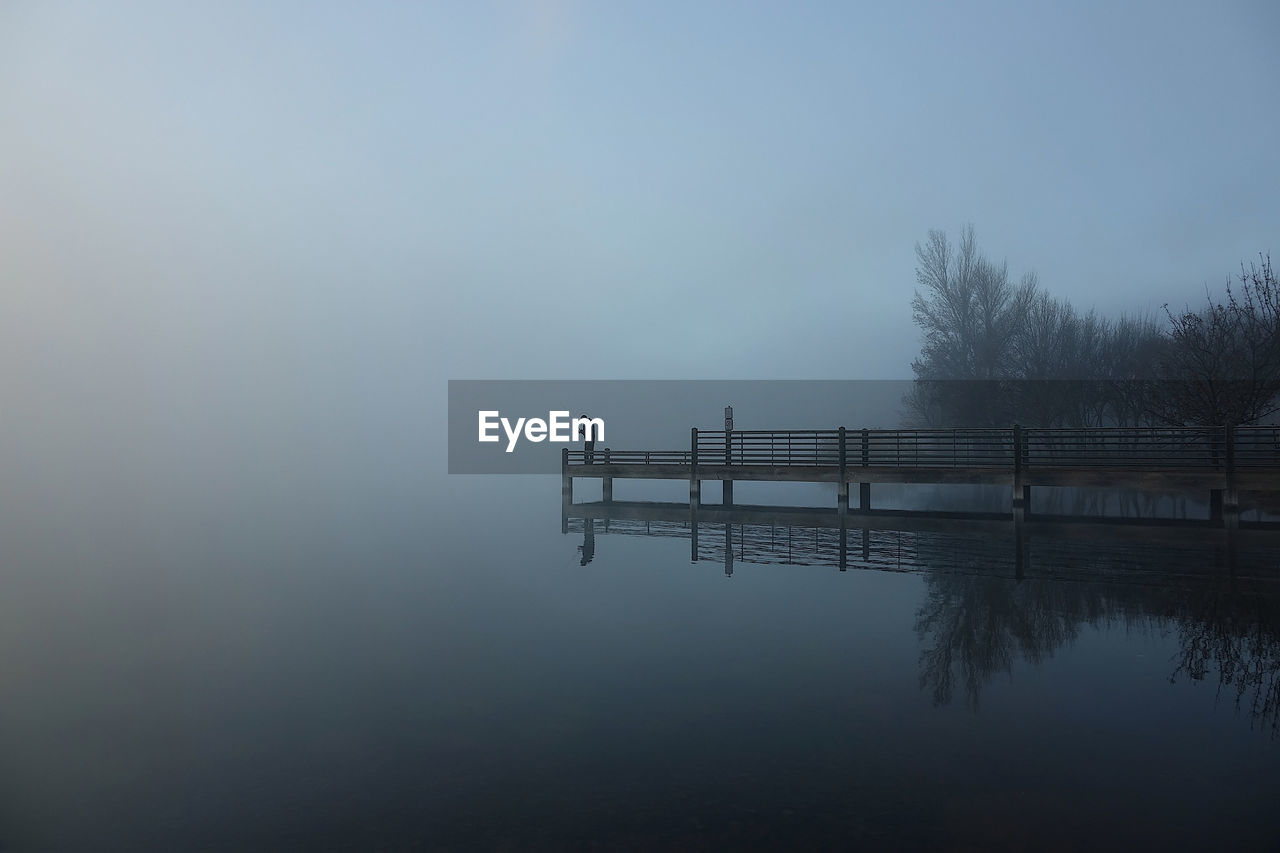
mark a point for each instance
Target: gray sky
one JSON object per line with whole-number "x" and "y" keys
{"x": 258, "y": 217}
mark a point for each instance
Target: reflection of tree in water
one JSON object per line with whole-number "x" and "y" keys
{"x": 975, "y": 626}
{"x": 1236, "y": 632}
{"x": 979, "y": 625}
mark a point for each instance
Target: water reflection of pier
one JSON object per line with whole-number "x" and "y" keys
{"x": 901, "y": 540}
{"x": 999, "y": 591}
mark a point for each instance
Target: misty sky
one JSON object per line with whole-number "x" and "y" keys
{"x": 260, "y": 217}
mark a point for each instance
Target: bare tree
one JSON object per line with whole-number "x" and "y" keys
{"x": 970, "y": 313}
{"x": 1222, "y": 363}
{"x": 995, "y": 352}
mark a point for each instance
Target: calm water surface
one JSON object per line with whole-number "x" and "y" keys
{"x": 368, "y": 672}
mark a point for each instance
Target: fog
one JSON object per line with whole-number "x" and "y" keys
{"x": 244, "y": 249}
{"x": 237, "y": 236}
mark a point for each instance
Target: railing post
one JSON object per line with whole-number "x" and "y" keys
{"x": 606, "y": 488}
{"x": 1217, "y": 439}
{"x": 1021, "y": 491}
{"x": 566, "y": 490}
{"x": 864, "y": 486}
{"x": 1231, "y": 499}
{"x": 695, "y": 485}
{"x": 566, "y": 485}
{"x": 842, "y": 491}
{"x": 726, "y": 486}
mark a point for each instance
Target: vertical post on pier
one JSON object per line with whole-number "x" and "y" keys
{"x": 727, "y": 485}
{"x": 1215, "y": 504}
{"x": 606, "y": 488}
{"x": 695, "y": 495}
{"x": 1021, "y": 491}
{"x": 1020, "y": 504}
{"x": 1217, "y": 448}
{"x": 842, "y": 491}
{"x": 1231, "y": 498}
{"x": 842, "y": 502}
{"x": 864, "y": 487}
{"x": 695, "y": 485}
{"x": 728, "y": 550}
{"x": 566, "y": 490}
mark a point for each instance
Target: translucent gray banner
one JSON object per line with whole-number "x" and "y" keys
{"x": 521, "y": 426}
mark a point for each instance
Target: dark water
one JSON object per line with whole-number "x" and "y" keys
{"x": 368, "y": 673}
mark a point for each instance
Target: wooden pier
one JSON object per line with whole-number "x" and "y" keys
{"x": 1218, "y": 461}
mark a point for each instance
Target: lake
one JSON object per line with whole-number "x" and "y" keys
{"x": 449, "y": 670}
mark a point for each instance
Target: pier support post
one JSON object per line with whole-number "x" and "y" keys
{"x": 566, "y": 490}
{"x": 1230, "y": 496}
{"x": 842, "y": 502}
{"x": 606, "y": 488}
{"x": 727, "y": 485}
{"x": 1021, "y": 491}
{"x": 728, "y": 550}
{"x": 1021, "y": 502}
{"x": 695, "y": 485}
{"x": 1229, "y": 505}
{"x": 864, "y": 488}
{"x": 566, "y": 479}
{"x": 842, "y": 493}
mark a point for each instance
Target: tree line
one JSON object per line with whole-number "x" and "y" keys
{"x": 997, "y": 351}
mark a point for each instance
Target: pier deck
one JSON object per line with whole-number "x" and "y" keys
{"x": 1220, "y": 460}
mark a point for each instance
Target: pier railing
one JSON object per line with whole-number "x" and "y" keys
{"x": 768, "y": 447}
{"x": 1128, "y": 448}
{"x": 628, "y": 457}
{"x": 1131, "y": 448}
